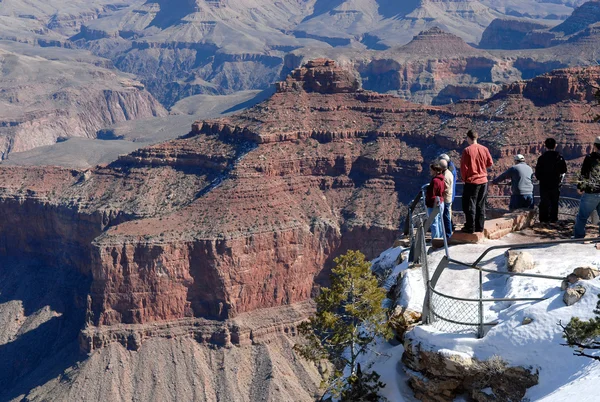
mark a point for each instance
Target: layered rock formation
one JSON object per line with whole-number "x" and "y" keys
{"x": 442, "y": 376}
{"x": 322, "y": 76}
{"x": 196, "y": 47}
{"x": 508, "y": 33}
{"x": 382, "y": 24}
{"x": 190, "y": 48}
{"x": 437, "y": 67}
{"x": 247, "y": 211}
{"x": 285, "y": 217}
{"x": 48, "y": 96}
{"x": 526, "y": 34}
{"x": 559, "y": 86}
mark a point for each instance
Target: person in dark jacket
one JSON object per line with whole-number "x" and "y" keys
{"x": 589, "y": 186}
{"x": 550, "y": 171}
{"x": 520, "y": 175}
{"x": 435, "y": 197}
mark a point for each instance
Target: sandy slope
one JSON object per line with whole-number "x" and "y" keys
{"x": 183, "y": 370}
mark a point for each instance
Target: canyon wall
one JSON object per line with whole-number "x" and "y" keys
{"x": 222, "y": 236}
{"x": 247, "y": 212}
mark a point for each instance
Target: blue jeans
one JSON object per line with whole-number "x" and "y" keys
{"x": 447, "y": 217}
{"x": 587, "y": 205}
{"x": 437, "y": 232}
{"x": 520, "y": 201}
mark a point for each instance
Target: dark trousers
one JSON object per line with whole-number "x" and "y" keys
{"x": 549, "y": 196}
{"x": 473, "y": 203}
{"x": 518, "y": 201}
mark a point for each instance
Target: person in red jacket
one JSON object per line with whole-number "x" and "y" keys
{"x": 475, "y": 161}
{"x": 435, "y": 197}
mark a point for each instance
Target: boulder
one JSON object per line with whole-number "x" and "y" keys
{"x": 508, "y": 223}
{"x": 436, "y": 376}
{"x": 498, "y": 228}
{"x": 586, "y": 273}
{"x": 526, "y": 321}
{"x": 403, "y": 319}
{"x": 573, "y": 295}
{"x": 519, "y": 261}
{"x": 571, "y": 279}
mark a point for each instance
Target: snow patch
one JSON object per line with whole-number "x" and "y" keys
{"x": 537, "y": 345}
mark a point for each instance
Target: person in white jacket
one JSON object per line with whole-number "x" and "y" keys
{"x": 448, "y": 195}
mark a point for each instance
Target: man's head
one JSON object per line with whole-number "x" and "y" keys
{"x": 472, "y": 137}
{"x": 444, "y": 157}
{"x": 519, "y": 158}
{"x": 443, "y": 164}
{"x": 550, "y": 143}
{"x": 597, "y": 142}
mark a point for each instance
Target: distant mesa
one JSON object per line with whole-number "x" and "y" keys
{"x": 567, "y": 84}
{"x": 582, "y": 17}
{"x": 512, "y": 33}
{"x": 508, "y": 33}
{"x": 437, "y": 41}
{"x": 322, "y": 76}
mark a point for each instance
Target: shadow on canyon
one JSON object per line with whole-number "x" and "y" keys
{"x": 260, "y": 97}
{"x": 48, "y": 306}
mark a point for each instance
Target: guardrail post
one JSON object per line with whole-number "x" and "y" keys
{"x": 480, "y": 332}
{"x": 425, "y": 271}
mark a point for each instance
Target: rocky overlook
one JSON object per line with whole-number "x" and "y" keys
{"x": 246, "y": 212}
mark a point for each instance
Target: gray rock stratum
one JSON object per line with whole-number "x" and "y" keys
{"x": 48, "y": 95}
{"x": 525, "y": 33}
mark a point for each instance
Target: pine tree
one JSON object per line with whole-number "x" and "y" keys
{"x": 362, "y": 387}
{"x": 348, "y": 319}
{"x": 584, "y": 335}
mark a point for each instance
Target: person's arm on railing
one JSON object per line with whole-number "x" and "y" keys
{"x": 503, "y": 176}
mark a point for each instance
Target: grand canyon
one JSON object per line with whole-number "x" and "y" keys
{"x": 176, "y": 178}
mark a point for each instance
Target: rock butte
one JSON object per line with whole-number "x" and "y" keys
{"x": 247, "y": 212}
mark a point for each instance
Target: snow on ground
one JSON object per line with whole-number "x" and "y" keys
{"x": 562, "y": 376}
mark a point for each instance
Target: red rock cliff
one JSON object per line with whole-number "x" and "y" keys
{"x": 248, "y": 211}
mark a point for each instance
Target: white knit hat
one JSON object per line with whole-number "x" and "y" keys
{"x": 519, "y": 158}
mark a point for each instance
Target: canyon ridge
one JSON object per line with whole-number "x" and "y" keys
{"x": 214, "y": 243}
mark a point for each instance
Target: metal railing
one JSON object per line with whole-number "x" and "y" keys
{"x": 460, "y": 314}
